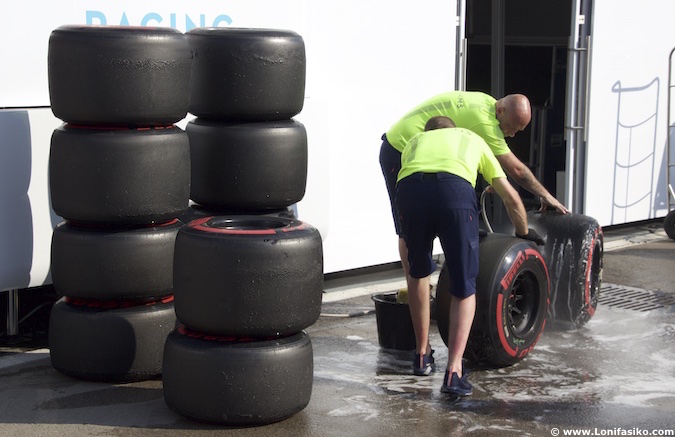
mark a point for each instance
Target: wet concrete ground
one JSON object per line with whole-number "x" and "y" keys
{"x": 616, "y": 372}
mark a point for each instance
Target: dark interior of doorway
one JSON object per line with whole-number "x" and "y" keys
{"x": 536, "y": 35}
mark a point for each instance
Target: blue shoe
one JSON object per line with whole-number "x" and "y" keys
{"x": 456, "y": 385}
{"x": 423, "y": 365}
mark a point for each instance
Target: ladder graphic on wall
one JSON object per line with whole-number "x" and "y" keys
{"x": 670, "y": 165}
{"x": 635, "y": 149}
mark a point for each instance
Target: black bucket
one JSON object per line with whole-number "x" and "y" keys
{"x": 394, "y": 325}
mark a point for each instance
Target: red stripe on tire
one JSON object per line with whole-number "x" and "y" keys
{"x": 192, "y": 333}
{"x": 200, "y": 224}
{"x": 295, "y": 228}
{"x": 500, "y": 325}
{"x": 235, "y": 231}
{"x": 589, "y": 267}
{"x": 536, "y": 254}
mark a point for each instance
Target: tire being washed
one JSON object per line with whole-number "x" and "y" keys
{"x": 512, "y": 298}
{"x": 574, "y": 257}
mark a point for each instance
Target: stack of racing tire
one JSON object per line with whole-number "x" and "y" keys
{"x": 248, "y": 276}
{"x": 120, "y": 177}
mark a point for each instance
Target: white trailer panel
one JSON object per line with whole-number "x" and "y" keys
{"x": 627, "y": 122}
{"x": 367, "y": 63}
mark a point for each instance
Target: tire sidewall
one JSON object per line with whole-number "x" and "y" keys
{"x": 121, "y": 176}
{"x": 113, "y": 263}
{"x": 574, "y": 257}
{"x": 246, "y": 74}
{"x": 139, "y": 75}
{"x": 491, "y": 341}
{"x": 669, "y": 224}
{"x": 521, "y": 258}
{"x": 261, "y": 276}
{"x": 255, "y": 166}
{"x": 108, "y": 341}
{"x": 237, "y": 382}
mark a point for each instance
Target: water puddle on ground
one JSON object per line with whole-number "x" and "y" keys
{"x": 593, "y": 365}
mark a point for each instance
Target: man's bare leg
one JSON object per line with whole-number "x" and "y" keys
{"x": 403, "y": 253}
{"x": 462, "y": 312}
{"x": 418, "y": 301}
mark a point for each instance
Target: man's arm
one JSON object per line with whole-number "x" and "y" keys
{"x": 524, "y": 177}
{"x": 514, "y": 206}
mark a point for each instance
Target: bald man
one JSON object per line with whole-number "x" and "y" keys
{"x": 491, "y": 119}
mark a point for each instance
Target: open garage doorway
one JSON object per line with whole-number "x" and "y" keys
{"x": 527, "y": 46}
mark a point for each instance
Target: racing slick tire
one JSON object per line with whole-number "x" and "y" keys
{"x": 250, "y": 167}
{"x": 512, "y": 298}
{"x": 235, "y": 381}
{"x": 246, "y": 74}
{"x": 109, "y": 341}
{"x": 248, "y": 275}
{"x": 119, "y": 176}
{"x": 90, "y": 262}
{"x": 574, "y": 257}
{"x": 669, "y": 224}
{"x": 119, "y": 75}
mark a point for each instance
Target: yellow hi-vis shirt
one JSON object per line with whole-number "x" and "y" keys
{"x": 452, "y": 150}
{"x": 468, "y": 109}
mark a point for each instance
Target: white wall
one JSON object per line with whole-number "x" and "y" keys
{"x": 367, "y": 63}
{"x": 27, "y": 25}
{"x": 628, "y": 102}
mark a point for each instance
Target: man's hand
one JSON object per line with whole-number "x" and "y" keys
{"x": 515, "y": 168}
{"x": 532, "y": 236}
{"x": 552, "y": 202}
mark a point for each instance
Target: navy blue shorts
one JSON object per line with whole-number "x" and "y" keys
{"x": 390, "y": 162}
{"x": 445, "y": 206}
